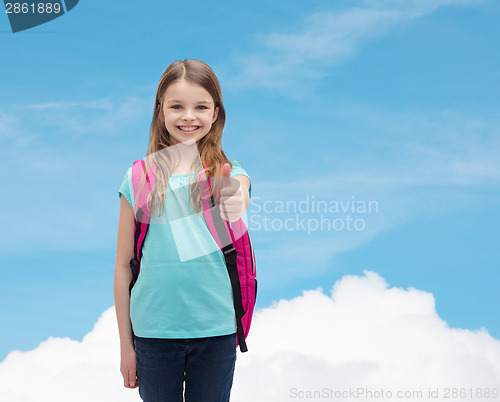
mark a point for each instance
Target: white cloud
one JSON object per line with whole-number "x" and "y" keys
{"x": 99, "y": 116}
{"x": 364, "y": 335}
{"x": 286, "y": 60}
{"x": 416, "y": 8}
{"x": 101, "y": 104}
{"x": 62, "y": 370}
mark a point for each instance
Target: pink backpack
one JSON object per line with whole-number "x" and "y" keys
{"x": 232, "y": 239}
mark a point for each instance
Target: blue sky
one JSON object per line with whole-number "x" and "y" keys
{"x": 390, "y": 101}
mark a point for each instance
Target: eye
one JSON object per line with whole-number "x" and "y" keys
{"x": 177, "y": 107}
{"x": 204, "y": 107}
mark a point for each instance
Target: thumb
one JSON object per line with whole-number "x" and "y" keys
{"x": 226, "y": 171}
{"x": 132, "y": 378}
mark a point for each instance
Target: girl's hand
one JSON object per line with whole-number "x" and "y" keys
{"x": 128, "y": 368}
{"x": 233, "y": 195}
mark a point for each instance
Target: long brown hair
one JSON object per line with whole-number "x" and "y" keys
{"x": 212, "y": 156}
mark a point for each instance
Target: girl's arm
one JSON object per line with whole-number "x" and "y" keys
{"x": 123, "y": 276}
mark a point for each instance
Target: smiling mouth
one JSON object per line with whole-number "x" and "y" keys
{"x": 188, "y": 129}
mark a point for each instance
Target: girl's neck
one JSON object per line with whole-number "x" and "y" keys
{"x": 188, "y": 152}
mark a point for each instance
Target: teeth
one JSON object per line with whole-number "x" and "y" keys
{"x": 188, "y": 128}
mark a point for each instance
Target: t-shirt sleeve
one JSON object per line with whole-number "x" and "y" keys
{"x": 126, "y": 187}
{"x": 238, "y": 170}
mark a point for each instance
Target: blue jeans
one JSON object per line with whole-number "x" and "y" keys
{"x": 205, "y": 365}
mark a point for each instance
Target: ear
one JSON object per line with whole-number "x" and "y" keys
{"x": 216, "y": 113}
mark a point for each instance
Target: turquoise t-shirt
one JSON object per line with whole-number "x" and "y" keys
{"x": 183, "y": 289}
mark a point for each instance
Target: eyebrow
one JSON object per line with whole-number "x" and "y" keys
{"x": 178, "y": 101}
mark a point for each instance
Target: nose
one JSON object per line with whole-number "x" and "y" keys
{"x": 188, "y": 115}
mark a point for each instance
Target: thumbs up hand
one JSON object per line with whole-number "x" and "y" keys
{"x": 233, "y": 195}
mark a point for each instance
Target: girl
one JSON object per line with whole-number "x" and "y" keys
{"x": 177, "y": 327}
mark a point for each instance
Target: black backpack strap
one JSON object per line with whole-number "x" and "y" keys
{"x": 230, "y": 256}
{"x": 135, "y": 262}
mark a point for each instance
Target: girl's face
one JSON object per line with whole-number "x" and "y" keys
{"x": 188, "y": 110}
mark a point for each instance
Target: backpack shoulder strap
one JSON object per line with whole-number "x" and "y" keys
{"x": 142, "y": 184}
{"x": 222, "y": 234}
